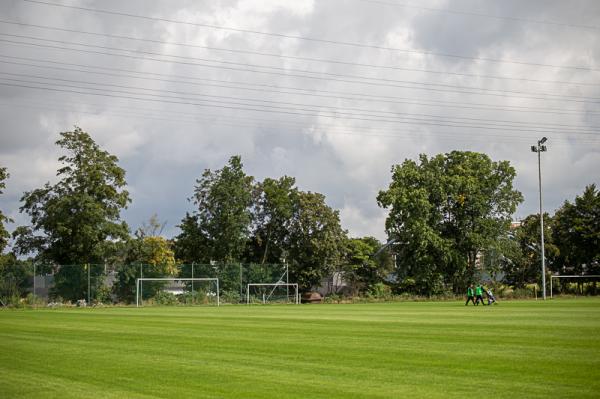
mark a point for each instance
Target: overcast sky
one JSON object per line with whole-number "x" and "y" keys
{"x": 331, "y": 92}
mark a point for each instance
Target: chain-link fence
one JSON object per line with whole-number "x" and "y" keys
{"x": 104, "y": 283}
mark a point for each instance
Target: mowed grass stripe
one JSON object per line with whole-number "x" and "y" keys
{"x": 380, "y": 350}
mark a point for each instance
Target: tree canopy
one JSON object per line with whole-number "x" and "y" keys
{"x": 73, "y": 218}
{"x": 577, "y": 233}
{"x": 4, "y": 236}
{"x": 443, "y": 211}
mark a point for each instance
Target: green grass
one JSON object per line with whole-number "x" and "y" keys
{"x": 522, "y": 349}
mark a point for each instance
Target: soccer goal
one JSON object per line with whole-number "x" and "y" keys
{"x": 591, "y": 277}
{"x": 179, "y": 290}
{"x": 272, "y": 293}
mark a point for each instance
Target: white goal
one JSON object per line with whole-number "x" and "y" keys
{"x": 272, "y": 293}
{"x": 576, "y": 276}
{"x": 178, "y": 286}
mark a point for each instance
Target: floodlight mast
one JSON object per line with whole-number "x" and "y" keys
{"x": 539, "y": 149}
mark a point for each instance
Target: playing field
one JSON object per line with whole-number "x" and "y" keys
{"x": 396, "y": 350}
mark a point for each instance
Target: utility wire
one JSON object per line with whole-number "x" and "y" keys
{"x": 358, "y": 131}
{"x": 311, "y": 59}
{"x": 576, "y": 99}
{"x": 307, "y": 38}
{"x": 282, "y": 69}
{"x": 477, "y": 14}
{"x": 319, "y": 107}
{"x": 274, "y": 109}
{"x": 295, "y": 90}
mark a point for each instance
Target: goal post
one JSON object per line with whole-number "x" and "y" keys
{"x": 269, "y": 292}
{"x": 574, "y": 276}
{"x": 138, "y": 285}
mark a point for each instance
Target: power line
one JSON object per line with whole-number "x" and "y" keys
{"x": 306, "y": 38}
{"x": 349, "y": 111}
{"x": 477, "y": 14}
{"x": 345, "y": 76}
{"x": 247, "y": 107}
{"x": 311, "y": 59}
{"x": 296, "y": 91}
{"x": 577, "y": 99}
{"x": 444, "y": 135}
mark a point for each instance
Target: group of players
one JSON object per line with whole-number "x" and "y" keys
{"x": 476, "y": 295}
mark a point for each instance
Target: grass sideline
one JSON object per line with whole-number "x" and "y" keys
{"x": 524, "y": 349}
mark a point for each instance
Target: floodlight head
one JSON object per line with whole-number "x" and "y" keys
{"x": 533, "y": 148}
{"x": 543, "y": 140}
{"x": 542, "y": 148}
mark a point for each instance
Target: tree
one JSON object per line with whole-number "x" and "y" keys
{"x": 363, "y": 267}
{"x": 523, "y": 263}
{"x": 4, "y": 236}
{"x": 273, "y": 215}
{"x": 316, "y": 240}
{"x": 577, "y": 234}
{"x": 444, "y": 211}
{"x": 71, "y": 219}
{"x": 155, "y": 257}
{"x": 219, "y": 228}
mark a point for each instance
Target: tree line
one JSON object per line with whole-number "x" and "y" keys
{"x": 449, "y": 217}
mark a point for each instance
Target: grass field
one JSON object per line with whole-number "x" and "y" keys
{"x": 392, "y": 350}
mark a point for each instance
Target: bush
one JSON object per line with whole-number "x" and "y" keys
{"x": 380, "y": 291}
{"x": 230, "y": 296}
{"x": 104, "y": 294}
{"x": 165, "y": 298}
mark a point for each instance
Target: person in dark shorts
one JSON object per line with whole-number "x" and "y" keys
{"x": 479, "y": 295}
{"x": 470, "y": 295}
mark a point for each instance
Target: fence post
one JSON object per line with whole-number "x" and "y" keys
{"x": 88, "y": 276}
{"x": 241, "y": 283}
{"x": 34, "y": 284}
{"x": 193, "y": 299}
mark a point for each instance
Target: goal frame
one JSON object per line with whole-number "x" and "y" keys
{"x": 571, "y": 276}
{"x": 274, "y": 285}
{"x": 138, "y": 284}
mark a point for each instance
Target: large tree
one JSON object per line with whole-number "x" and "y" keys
{"x": 445, "y": 210}
{"x": 273, "y": 212}
{"x": 219, "y": 228}
{"x": 577, "y": 234}
{"x": 73, "y": 218}
{"x": 316, "y": 240}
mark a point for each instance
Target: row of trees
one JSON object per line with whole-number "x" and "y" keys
{"x": 76, "y": 221}
{"x": 449, "y": 217}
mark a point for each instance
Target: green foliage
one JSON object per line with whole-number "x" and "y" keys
{"x": 229, "y": 296}
{"x": 219, "y": 228}
{"x": 316, "y": 240}
{"x": 155, "y": 258}
{"x": 71, "y": 219}
{"x": 4, "y": 236}
{"x": 362, "y": 269}
{"x": 15, "y": 277}
{"x": 443, "y": 211}
{"x": 165, "y": 298}
{"x": 273, "y": 213}
{"x": 577, "y": 234}
{"x": 523, "y": 263}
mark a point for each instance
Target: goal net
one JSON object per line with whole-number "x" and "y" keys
{"x": 266, "y": 293}
{"x": 574, "y": 284}
{"x": 177, "y": 291}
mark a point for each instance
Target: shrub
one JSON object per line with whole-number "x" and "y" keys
{"x": 165, "y": 298}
